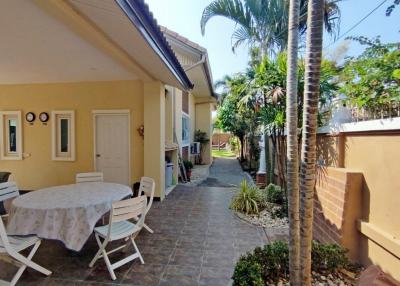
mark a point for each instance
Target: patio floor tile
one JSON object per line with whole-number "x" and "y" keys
{"x": 196, "y": 241}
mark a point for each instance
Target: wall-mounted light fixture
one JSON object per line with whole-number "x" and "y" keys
{"x": 141, "y": 130}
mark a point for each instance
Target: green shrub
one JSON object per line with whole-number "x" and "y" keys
{"x": 328, "y": 256}
{"x": 275, "y": 194}
{"x": 247, "y": 273}
{"x": 233, "y": 142}
{"x": 272, "y": 262}
{"x": 247, "y": 200}
{"x": 280, "y": 211}
{"x": 275, "y": 259}
{"x": 188, "y": 165}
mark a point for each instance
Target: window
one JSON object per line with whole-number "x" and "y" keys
{"x": 63, "y": 135}
{"x": 185, "y": 129}
{"x": 11, "y": 135}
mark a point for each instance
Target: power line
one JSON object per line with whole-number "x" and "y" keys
{"x": 356, "y": 24}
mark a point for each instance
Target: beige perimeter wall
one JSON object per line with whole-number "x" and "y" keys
{"x": 377, "y": 156}
{"x": 38, "y": 170}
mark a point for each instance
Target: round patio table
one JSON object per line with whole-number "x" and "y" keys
{"x": 66, "y": 213}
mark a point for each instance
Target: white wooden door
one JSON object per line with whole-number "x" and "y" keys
{"x": 112, "y": 147}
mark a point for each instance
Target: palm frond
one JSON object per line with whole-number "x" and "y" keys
{"x": 231, "y": 9}
{"x": 275, "y": 94}
{"x": 332, "y": 17}
{"x": 240, "y": 36}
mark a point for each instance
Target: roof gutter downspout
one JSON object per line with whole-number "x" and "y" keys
{"x": 202, "y": 61}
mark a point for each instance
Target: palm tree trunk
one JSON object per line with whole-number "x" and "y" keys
{"x": 292, "y": 153}
{"x": 241, "y": 139}
{"x": 310, "y": 113}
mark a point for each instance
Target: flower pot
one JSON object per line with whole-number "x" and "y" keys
{"x": 188, "y": 174}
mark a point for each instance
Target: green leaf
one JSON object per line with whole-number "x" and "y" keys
{"x": 396, "y": 74}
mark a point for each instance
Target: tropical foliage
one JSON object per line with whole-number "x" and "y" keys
{"x": 372, "y": 80}
{"x": 264, "y": 23}
{"x": 257, "y": 97}
{"x": 247, "y": 200}
{"x": 238, "y": 118}
{"x": 271, "y": 263}
{"x": 275, "y": 194}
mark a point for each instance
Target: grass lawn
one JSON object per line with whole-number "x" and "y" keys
{"x": 223, "y": 154}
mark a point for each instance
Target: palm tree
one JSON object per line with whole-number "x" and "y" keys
{"x": 313, "y": 58}
{"x": 292, "y": 144}
{"x": 264, "y": 23}
{"x": 258, "y": 22}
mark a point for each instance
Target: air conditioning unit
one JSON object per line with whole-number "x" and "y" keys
{"x": 195, "y": 148}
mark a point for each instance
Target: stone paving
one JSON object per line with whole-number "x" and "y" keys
{"x": 225, "y": 172}
{"x": 197, "y": 241}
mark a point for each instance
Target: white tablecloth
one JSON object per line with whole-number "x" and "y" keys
{"x": 66, "y": 213}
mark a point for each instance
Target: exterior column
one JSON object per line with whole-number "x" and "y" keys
{"x": 169, "y": 115}
{"x": 154, "y": 135}
{"x": 261, "y": 178}
{"x": 204, "y": 123}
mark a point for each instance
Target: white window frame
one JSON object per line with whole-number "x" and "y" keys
{"x": 186, "y": 143}
{"x": 56, "y": 117}
{"x": 5, "y": 154}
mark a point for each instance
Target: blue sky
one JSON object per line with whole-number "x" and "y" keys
{"x": 183, "y": 17}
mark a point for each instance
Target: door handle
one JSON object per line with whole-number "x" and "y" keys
{"x": 98, "y": 155}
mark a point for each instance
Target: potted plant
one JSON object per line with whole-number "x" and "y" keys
{"x": 201, "y": 136}
{"x": 188, "y": 167}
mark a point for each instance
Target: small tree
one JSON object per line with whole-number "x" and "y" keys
{"x": 201, "y": 136}
{"x": 372, "y": 80}
{"x": 233, "y": 115}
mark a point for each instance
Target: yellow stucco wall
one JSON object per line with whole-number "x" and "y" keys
{"x": 377, "y": 156}
{"x": 154, "y": 135}
{"x": 38, "y": 170}
{"x": 178, "y": 115}
{"x": 192, "y": 114}
{"x": 204, "y": 123}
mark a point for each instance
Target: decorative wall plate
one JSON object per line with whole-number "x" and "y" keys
{"x": 44, "y": 117}
{"x": 30, "y": 117}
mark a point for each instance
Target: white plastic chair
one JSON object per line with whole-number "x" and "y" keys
{"x": 89, "y": 177}
{"x": 11, "y": 246}
{"x": 120, "y": 228}
{"x": 147, "y": 188}
{"x": 8, "y": 191}
{"x": 92, "y": 177}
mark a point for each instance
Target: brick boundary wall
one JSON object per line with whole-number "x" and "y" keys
{"x": 337, "y": 206}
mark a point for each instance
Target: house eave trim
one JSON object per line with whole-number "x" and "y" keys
{"x": 140, "y": 16}
{"x": 203, "y": 61}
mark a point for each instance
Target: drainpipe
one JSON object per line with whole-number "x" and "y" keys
{"x": 173, "y": 114}
{"x": 202, "y": 61}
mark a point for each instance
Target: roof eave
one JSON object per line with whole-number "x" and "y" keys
{"x": 196, "y": 49}
{"x": 207, "y": 69}
{"x": 140, "y": 16}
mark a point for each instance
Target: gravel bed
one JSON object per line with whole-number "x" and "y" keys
{"x": 332, "y": 279}
{"x": 264, "y": 219}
